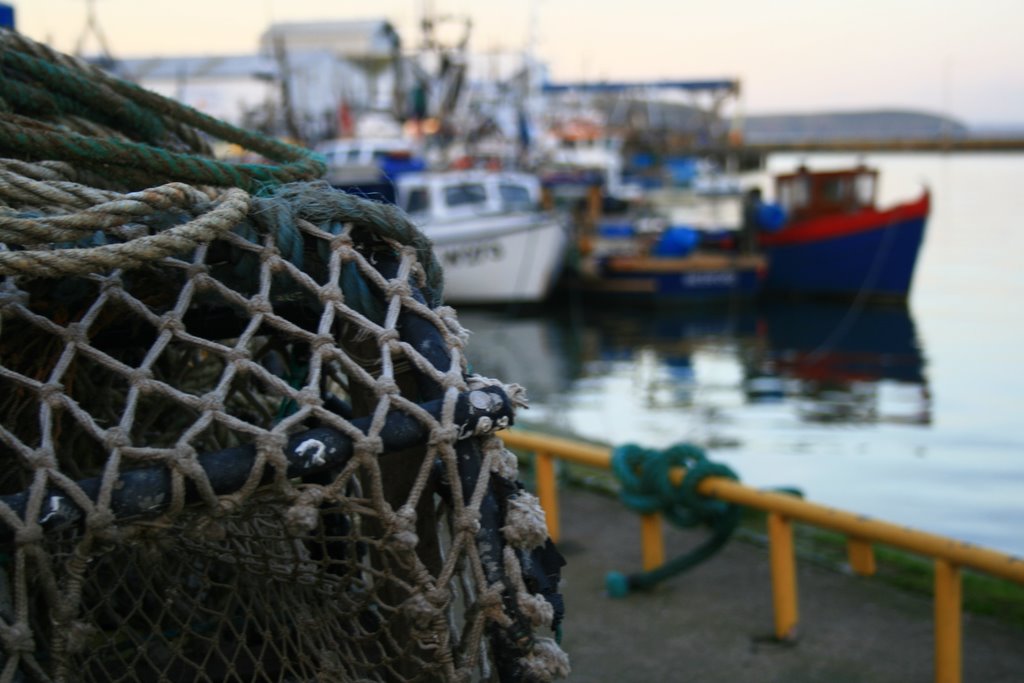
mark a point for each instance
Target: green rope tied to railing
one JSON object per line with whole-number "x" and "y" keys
{"x": 647, "y": 487}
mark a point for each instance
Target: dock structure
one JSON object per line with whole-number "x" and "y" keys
{"x": 860, "y": 145}
{"x": 782, "y": 509}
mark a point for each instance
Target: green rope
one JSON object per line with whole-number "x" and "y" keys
{"x": 165, "y": 166}
{"x": 144, "y": 139}
{"x": 38, "y": 81}
{"x": 647, "y": 487}
{"x": 82, "y": 94}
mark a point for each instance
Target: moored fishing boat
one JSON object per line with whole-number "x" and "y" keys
{"x": 495, "y": 243}
{"x": 837, "y": 242}
{"x": 645, "y": 261}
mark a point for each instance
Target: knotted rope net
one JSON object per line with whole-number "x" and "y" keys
{"x": 239, "y": 440}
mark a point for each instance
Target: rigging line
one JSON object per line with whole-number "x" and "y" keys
{"x": 860, "y": 301}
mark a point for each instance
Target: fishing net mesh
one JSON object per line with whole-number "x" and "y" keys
{"x": 239, "y": 439}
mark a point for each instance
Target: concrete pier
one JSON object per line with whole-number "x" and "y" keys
{"x": 714, "y": 623}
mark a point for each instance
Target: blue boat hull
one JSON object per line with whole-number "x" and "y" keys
{"x": 873, "y": 255}
{"x": 673, "y": 281}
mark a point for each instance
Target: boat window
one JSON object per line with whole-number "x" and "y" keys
{"x": 417, "y": 201}
{"x": 353, "y": 156}
{"x": 865, "y": 189}
{"x": 380, "y": 155}
{"x": 794, "y": 194}
{"x": 515, "y": 197}
{"x": 465, "y": 194}
{"x": 835, "y": 190}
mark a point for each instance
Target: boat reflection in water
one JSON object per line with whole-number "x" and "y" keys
{"x": 844, "y": 365}
{"x": 824, "y": 363}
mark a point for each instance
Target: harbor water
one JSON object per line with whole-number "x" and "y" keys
{"x": 912, "y": 415}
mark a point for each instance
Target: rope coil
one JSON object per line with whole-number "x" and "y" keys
{"x": 235, "y": 414}
{"x": 647, "y": 487}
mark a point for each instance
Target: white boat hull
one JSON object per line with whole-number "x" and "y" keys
{"x": 512, "y": 258}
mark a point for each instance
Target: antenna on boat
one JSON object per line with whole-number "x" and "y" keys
{"x": 92, "y": 25}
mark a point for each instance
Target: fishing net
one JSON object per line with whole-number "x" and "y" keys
{"x": 239, "y": 440}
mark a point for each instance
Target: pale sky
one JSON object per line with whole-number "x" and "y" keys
{"x": 962, "y": 57}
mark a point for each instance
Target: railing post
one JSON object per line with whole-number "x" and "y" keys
{"x": 948, "y": 642}
{"x": 782, "y": 557}
{"x": 547, "y": 491}
{"x": 861, "y": 555}
{"x": 652, "y": 541}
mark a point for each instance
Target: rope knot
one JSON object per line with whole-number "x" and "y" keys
{"x": 439, "y": 597}
{"x": 492, "y": 607}
{"x": 17, "y": 638}
{"x": 259, "y": 303}
{"x": 30, "y": 534}
{"x": 238, "y": 355}
{"x": 369, "y": 446}
{"x": 387, "y": 386}
{"x": 139, "y": 376}
{"x": 468, "y": 522}
{"x": 301, "y": 518}
{"x": 52, "y": 394}
{"x": 112, "y": 284}
{"x": 525, "y": 522}
{"x": 172, "y": 324}
{"x": 272, "y": 445}
{"x": 116, "y": 438}
{"x": 210, "y": 403}
{"x": 309, "y": 396}
{"x": 388, "y": 335}
{"x": 342, "y": 242}
{"x": 43, "y": 458}
{"x": 76, "y": 333}
{"x": 399, "y": 288}
{"x": 331, "y": 294}
{"x": 420, "y": 612}
{"x": 403, "y": 540}
{"x": 100, "y": 519}
{"x": 406, "y": 516}
{"x": 647, "y": 486}
{"x": 321, "y": 340}
{"x": 443, "y": 436}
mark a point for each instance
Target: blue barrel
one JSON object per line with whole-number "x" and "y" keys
{"x": 770, "y": 217}
{"x": 676, "y": 241}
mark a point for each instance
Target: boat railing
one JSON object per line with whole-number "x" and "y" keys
{"x": 950, "y": 556}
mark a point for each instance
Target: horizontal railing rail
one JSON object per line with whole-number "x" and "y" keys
{"x": 949, "y": 555}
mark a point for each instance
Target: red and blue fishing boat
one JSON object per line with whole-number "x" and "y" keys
{"x": 837, "y": 242}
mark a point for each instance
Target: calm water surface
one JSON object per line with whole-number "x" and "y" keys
{"x": 915, "y": 416}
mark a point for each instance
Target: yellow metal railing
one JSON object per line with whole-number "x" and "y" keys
{"x": 949, "y": 555}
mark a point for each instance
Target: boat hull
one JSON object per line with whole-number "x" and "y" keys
{"x": 689, "y": 280}
{"x": 870, "y": 253}
{"x": 499, "y": 259}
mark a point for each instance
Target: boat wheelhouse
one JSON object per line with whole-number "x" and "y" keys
{"x": 838, "y": 242}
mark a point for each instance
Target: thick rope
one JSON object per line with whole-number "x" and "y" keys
{"x": 229, "y": 212}
{"x": 106, "y": 216}
{"x": 43, "y": 81}
{"x": 127, "y": 377}
{"x": 145, "y": 114}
